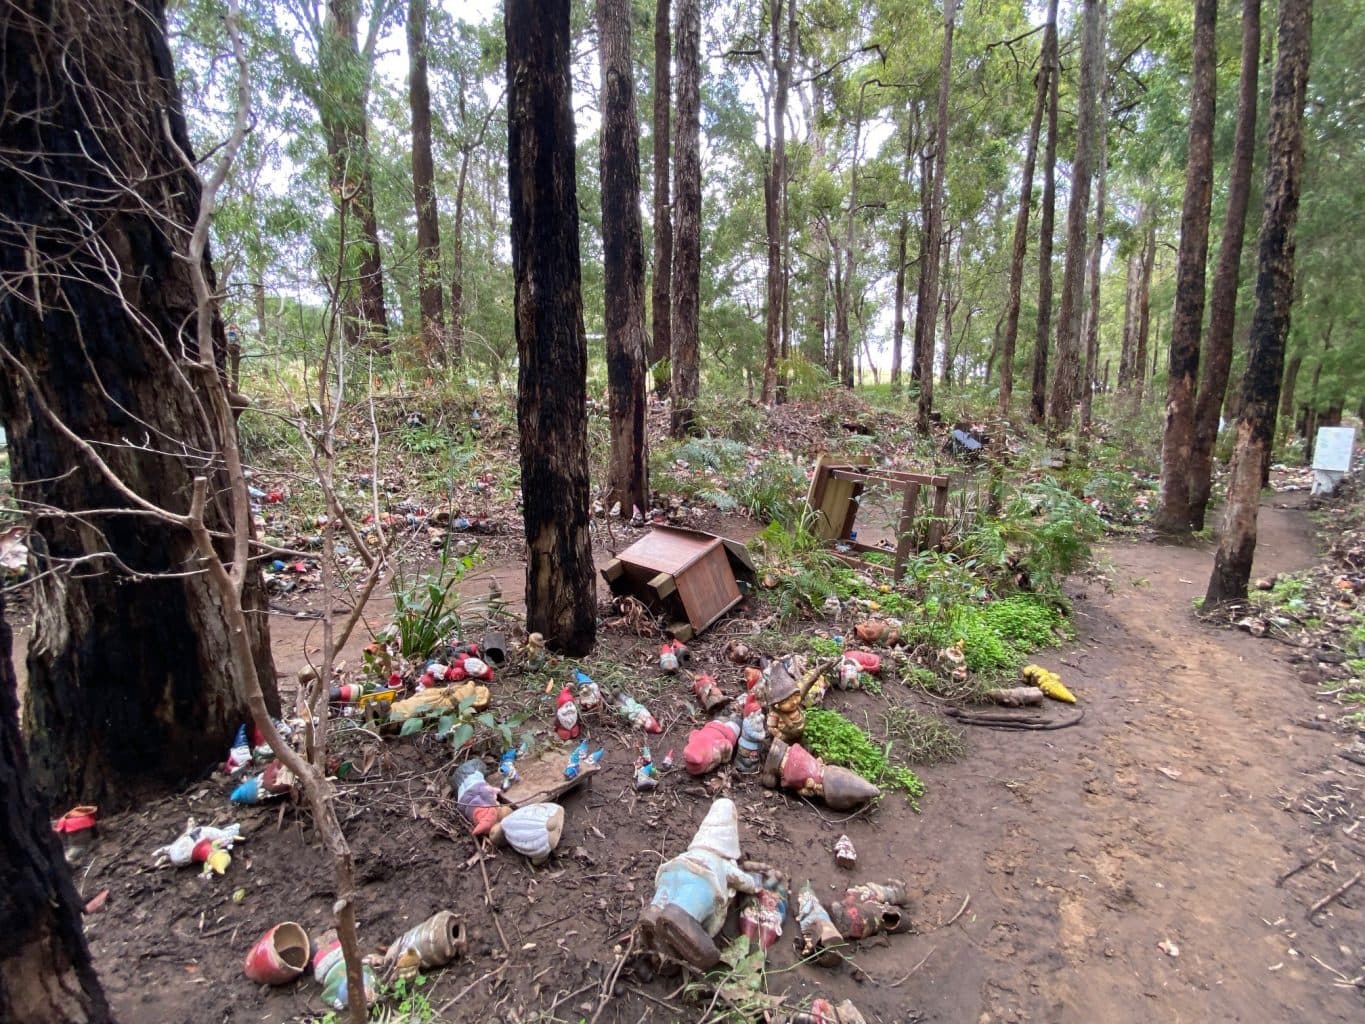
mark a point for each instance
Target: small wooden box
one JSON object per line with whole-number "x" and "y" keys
{"x": 687, "y": 576}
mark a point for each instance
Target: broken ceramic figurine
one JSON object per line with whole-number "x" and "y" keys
{"x": 844, "y": 853}
{"x": 711, "y": 746}
{"x": 793, "y": 767}
{"x": 533, "y": 831}
{"x": 692, "y": 892}
{"x": 870, "y": 909}
{"x": 817, "y": 939}
{"x": 708, "y": 692}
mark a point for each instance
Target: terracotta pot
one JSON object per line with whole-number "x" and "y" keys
{"x": 279, "y": 956}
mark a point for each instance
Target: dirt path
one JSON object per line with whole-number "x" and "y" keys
{"x": 1081, "y": 855}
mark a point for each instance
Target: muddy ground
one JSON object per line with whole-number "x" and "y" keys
{"x": 1166, "y": 816}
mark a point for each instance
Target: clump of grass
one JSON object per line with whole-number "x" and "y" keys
{"x": 833, "y": 738}
{"x": 921, "y": 738}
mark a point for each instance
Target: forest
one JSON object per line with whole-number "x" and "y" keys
{"x": 712, "y": 510}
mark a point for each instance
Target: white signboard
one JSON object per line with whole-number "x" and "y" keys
{"x": 1332, "y": 450}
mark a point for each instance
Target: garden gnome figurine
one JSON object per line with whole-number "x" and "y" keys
{"x": 693, "y": 890}
{"x": 566, "y": 716}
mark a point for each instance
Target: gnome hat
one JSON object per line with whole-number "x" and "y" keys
{"x": 719, "y": 831}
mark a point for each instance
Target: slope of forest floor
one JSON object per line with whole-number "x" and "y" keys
{"x": 1125, "y": 869}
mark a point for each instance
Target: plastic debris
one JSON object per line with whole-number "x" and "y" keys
{"x": 844, "y": 853}
{"x": 818, "y": 937}
{"x": 869, "y": 909}
{"x": 793, "y": 767}
{"x": 693, "y": 891}
{"x": 711, "y": 746}
{"x": 279, "y": 956}
{"x": 636, "y": 713}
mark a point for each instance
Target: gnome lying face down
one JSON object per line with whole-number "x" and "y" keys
{"x": 692, "y": 891}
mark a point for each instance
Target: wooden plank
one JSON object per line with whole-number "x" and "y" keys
{"x": 542, "y": 779}
{"x": 708, "y": 588}
{"x": 666, "y": 549}
{"x": 663, "y": 585}
{"x": 937, "y": 526}
{"x": 905, "y": 528}
{"x": 613, "y": 570}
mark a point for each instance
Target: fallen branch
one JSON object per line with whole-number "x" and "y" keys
{"x": 1335, "y": 894}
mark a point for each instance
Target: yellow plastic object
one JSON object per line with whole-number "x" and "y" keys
{"x": 217, "y": 862}
{"x": 1049, "y": 682}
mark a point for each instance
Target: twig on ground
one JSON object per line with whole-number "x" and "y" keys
{"x": 1279, "y": 882}
{"x": 488, "y": 902}
{"x": 960, "y": 911}
{"x": 902, "y": 980}
{"x": 1336, "y": 893}
{"x": 609, "y": 982}
{"x": 470, "y": 988}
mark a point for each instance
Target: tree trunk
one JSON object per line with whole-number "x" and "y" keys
{"x": 1038, "y": 391}
{"x": 129, "y": 674}
{"x": 1274, "y": 296}
{"x": 1174, "y": 513}
{"x": 561, "y": 593}
{"x": 342, "y": 111}
{"x": 949, "y": 306}
{"x": 1064, "y": 377}
{"x": 1130, "y": 298}
{"x": 457, "y": 265}
{"x": 772, "y": 202}
{"x": 898, "y": 329}
{"x": 1144, "y": 308}
{"x": 926, "y": 311}
{"x": 1217, "y": 355}
{"x": 686, "y": 287}
{"x": 424, "y": 190}
{"x": 45, "y": 969}
{"x": 623, "y": 261}
{"x": 1291, "y": 379}
{"x": 663, "y": 223}
{"x": 1020, "y": 247}
{"x": 1092, "y": 310}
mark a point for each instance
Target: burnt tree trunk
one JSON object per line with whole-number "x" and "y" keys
{"x": 45, "y": 969}
{"x": 1046, "y": 217}
{"x": 1020, "y": 246}
{"x": 430, "y": 299}
{"x": 1274, "y": 296}
{"x": 926, "y": 311}
{"x": 623, "y": 261}
{"x": 686, "y": 288}
{"x": 129, "y": 668}
{"x": 1064, "y": 376}
{"x": 1173, "y": 514}
{"x": 663, "y": 220}
{"x": 1217, "y": 354}
{"x": 561, "y": 594}
{"x": 1092, "y": 309}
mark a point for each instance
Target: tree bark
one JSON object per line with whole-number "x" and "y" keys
{"x": 623, "y": 261}
{"x": 561, "y": 593}
{"x": 686, "y": 287}
{"x": 1130, "y": 301}
{"x": 1020, "y": 246}
{"x": 342, "y": 111}
{"x": 457, "y": 265}
{"x": 846, "y": 266}
{"x": 1144, "y": 308}
{"x": 129, "y": 681}
{"x": 1217, "y": 355}
{"x": 45, "y": 969}
{"x": 927, "y": 309}
{"x": 898, "y": 328}
{"x": 663, "y": 222}
{"x": 1274, "y": 296}
{"x": 430, "y": 301}
{"x": 773, "y": 185}
{"x": 949, "y": 306}
{"x": 1038, "y": 391}
{"x": 1092, "y": 309}
{"x": 1174, "y": 513}
{"x": 1064, "y": 377}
